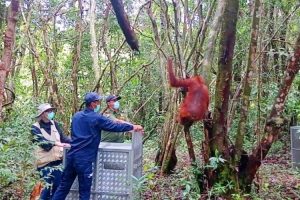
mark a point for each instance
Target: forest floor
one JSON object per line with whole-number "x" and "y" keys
{"x": 276, "y": 180}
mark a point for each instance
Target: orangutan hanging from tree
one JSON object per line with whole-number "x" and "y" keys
{"x": 195, "y": 104}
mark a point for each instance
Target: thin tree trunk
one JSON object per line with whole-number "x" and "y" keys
{"x": 265, "y": 51}
{"x": 103, "y": 45}
{"x": 183, "y": 72}
{"x": 212, "y": 38}
{"x": 124, "y": 24}
{"x": 165, "y": 18}
{"x": 224, "y": 78}
{"x": 176, "y": 29}
{"x": 161, "y": 61}
{"x": 167, "y": 157}
{"x": 275, "y": 121}
{"x": 282, "y": 39}
{"x": 186, "y": 25}
{"x": 35, "y": 88}
{"x": 189, "y": 143}
{"x": 112, "y": 70}
{"x": 9, "y": 40}
{"x": 273, "y": 45}
{"x": 2, "y": 13}
{"x": 200, "y": 34}
{"x": 76, "y": 57}
{"x": 94, "y": 53}
{"x": 218, "y": 139}
{"x": 27, "y": 20}
{"x": 196, "y": 14}
{"x": 248, "y": 81}
{"x": 50, "y": 70}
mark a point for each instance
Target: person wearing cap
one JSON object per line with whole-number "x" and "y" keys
{"x": 112, "y": 111}
{"x": 51, "y": 140}
{"x": 86, "y": 130}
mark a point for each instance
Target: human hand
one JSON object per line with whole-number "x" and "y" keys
{"x": 67, "y": 145}
{"x": 59, "y": 144}
{"x": 138, "y": 128}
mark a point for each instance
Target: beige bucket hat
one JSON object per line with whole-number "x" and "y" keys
{"x": 42, "y": 108}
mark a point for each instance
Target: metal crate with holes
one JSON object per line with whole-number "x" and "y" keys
{"x": 295, "y": 145}
{"x": 116, "y": 164}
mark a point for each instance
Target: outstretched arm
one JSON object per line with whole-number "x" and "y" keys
{"x": 174, "y": 82}
{"x": 109, "y": 125}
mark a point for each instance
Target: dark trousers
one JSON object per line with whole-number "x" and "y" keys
{"x": 76, "y": 167}
{"x": 51, "y": 174}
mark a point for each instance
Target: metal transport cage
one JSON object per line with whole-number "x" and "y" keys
{"x": 113, "y": 171}
{"x": 295, "y": 145}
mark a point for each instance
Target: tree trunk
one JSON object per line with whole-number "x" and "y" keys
{"x": 216, "y": 143}
{"x": 9, "y": 40}
{"x": 212, "y": 38}
{"x": 160, "y": 60}
{"x": 27, "y": 20}
{"x": 248, "y": 81}
{"x": 189, "y": 143}
{"x": 282, "y": 39}
{"x": 103, "y": 45}
{"x": 265, "y": 55}
{"x": 2, "y": 14}
{"x": 273, "y": 45}
{"x": 224, "y": 77}
{"x": 166, "y": 157}
{"x": 124, "y": 24}
{"x": 50, "y": 70}
{"x": 186, "y": 20}
{"x": 94, "y": 53}
{"x": 176, "y": 29}
{"x": 76, "y": 58}
{"x": 274, "y": 122}
{"x": 200, "y": 37}
{"x": 35, "y": 87}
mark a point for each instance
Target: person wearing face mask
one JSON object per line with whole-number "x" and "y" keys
{"x": 50, "y": 141}
{"x": 86, "y": 128}
{"x": 112, "y": 112}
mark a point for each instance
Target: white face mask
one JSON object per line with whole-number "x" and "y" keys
{"x": 97, "y": 108}
{"x": 116, "y": 105}
{"x": 50, "y": 115}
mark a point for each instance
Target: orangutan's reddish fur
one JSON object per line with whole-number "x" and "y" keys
{"x": 195, "y": 104}
{"x": 36, "y": 191}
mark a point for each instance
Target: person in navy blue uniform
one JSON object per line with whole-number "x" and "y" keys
{"x": 86, "y": 130}
{"x": 48, "y": 135}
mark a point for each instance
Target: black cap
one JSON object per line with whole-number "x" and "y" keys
{"x": 112, "y": 98}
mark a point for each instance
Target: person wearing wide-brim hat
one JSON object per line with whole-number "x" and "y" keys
{"x": 50, "y": 141}
{"x": 86, "y": 129}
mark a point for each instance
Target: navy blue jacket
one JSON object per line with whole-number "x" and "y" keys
{"x": 43, "y": 142}
{"x": 86, "y": 133}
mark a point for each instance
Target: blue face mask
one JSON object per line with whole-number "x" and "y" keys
{"x": 116, "y": 105}
{"x": 51, "y": 115}
{"x": 97, "y": 108}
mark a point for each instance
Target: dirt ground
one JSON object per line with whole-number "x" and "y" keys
{"x": 276, "y": 180}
